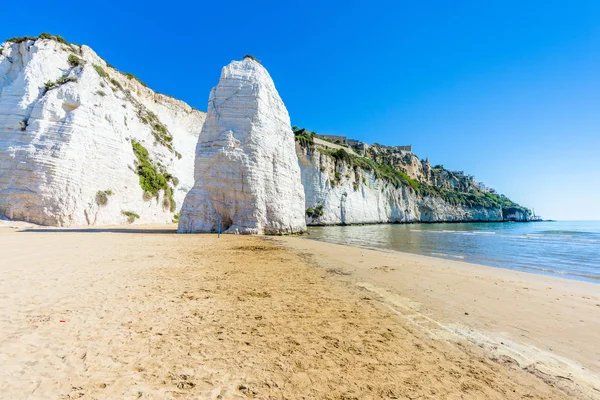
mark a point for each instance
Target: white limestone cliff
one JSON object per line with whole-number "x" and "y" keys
{"x": 67, "y": 124}
{"x": 247, "y": 173}
{"x": 337, "y": 193}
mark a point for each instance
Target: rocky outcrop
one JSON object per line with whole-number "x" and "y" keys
{"x": 516, "y": 214}
{"x": 339, "y": 193}
{"x": 69, "y": 128}
{"x": 247, "y": 173}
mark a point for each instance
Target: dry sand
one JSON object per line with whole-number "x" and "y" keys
{"x": 151, "y": 314}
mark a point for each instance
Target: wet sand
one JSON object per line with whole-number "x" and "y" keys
{"x": 546, "y": 325}
{"x": 151, "y": 314}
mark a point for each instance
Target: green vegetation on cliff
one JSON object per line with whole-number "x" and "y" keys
{"x": 131, "y": 76}
{"x": 304, "y": 137}
{"x": 151, "y": 180}
{"x": 75, "y": 61}
{"x": 131, "y": 216}
{"x": 314, "y": 213}
{"x": 60, "y": 81}
{"x": 381, "y": 171}
{"x": 102, "y": 197}
{"x": 45, "y": 35}
{"x": 250, "y": 56}
{"x": 101, "y": 72}
{"x": 471, "y": 199}
{"x": 454, "y": 188}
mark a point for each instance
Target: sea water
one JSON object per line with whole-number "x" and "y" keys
{"x": 570, "y": 249}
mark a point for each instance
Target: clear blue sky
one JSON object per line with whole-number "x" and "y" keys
{"x": 506, "y": 90}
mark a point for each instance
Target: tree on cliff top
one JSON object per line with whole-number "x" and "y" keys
{"x": 250, "y": 56}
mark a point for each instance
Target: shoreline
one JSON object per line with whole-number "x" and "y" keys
{"x": 6, "y": 220}
{"x": 141, "y": 312}
{"x": 429, "y": 222}
{"x": 570, "y": 276}
{"x": 512, "y": 314}
{"x": 511, "y": 265}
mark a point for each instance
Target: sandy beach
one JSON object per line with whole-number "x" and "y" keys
{"x": 141, "y": 312}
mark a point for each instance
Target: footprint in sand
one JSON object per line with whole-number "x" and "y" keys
{"x": 384, "y": 268}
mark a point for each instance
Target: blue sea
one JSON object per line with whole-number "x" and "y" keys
{"x": 569, "y": 249}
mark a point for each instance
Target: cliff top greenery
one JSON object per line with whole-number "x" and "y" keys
{"x": 303, "y": 136}
{"x": 44, "y": 35}
{"x": 250, "y": 56}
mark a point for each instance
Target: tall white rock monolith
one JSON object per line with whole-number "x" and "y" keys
{"x": 246, "y": 172}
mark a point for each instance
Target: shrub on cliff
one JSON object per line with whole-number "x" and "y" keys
{"x": 250, "y": 56}
{"x": 159, "y": 130}
{"x": 341, "y": 155}
{"x": 60, "y": 81}
{"x": 102, "y": 197}
{"x": 303, "y": 136}
{"x": 145, "y": 169}
{"x": 44, "y": 35}
{"x": 169, "y": 201}
{"x": 131, "y": 76}
{"x": 75, "y": 61}
{"x": 151, "y": 180}
{"x": 20, "y": 39}
{"x": 131, "y": 216}
{"x": 58, "y": 38}
{"x": 314, "y": 213}
{"x": 101, "y": 72}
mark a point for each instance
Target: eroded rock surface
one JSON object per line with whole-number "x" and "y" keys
{"x": 338, "y": 193}
{"x": 67, "y": 124}
{"x": 246, "y": 171}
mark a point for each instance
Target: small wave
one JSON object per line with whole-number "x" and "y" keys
{"x": 595, "y": 277}
{"x": 547, "y": 237}
{"x": 554, "y": 271}
{"x": 555, "y": 238}
{"x": 444, "y": 255}
{"x": 557, "y": 272}
{"x": 568, "y": 233}
{"x": 588, "y": 240}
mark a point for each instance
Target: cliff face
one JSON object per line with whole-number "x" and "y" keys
{"x": 247, "y": 174}
{"x": 421, "y": 170}
{"x": 83, "y": 144}
{"x": 338, "y": 192}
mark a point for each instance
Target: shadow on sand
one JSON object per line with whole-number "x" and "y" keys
{"x": 101, "y": 230}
